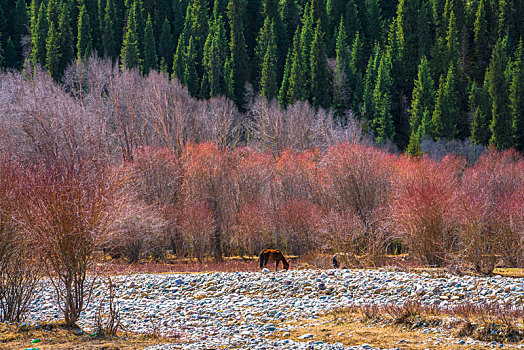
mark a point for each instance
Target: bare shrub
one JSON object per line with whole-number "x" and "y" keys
{"x": 107, "y": 317}
{"x": 358, "y": 178}
{"x": 298, "y": 224}
{"x": 207, "y": 179}
{"x": 66, "y": 216}
{"x": 422, "y": 205}
{"x": 198, "y": 229}
{"x": 253, "y": 230}
{"x": 19, "y": 275}
{"x": 137, "y": 231}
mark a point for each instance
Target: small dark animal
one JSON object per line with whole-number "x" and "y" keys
{"x": 273, "y": 255}
{"x": 336, "y": 264}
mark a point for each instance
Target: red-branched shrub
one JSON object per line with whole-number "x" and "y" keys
{"x": 207, "y": 179}
{"x": 198, "y": 228}
{"x": 66, "y": 216}
{"x": 253, "y": 230}
{"x": 357, "y": 186}
{"x": 298, "y": 226}
{"x": 422, "y": 205}
{"x": 18, "y": 272}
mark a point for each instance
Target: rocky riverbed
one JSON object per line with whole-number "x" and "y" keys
{"x": 242, "y": 310}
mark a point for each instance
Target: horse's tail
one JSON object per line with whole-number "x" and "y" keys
{"x": 284, "y": 261}
{"x": 261, "y": 259}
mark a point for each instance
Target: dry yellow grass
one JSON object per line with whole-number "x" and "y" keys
{"x": 55, "y": 336}
{"x": 346, "y": 327}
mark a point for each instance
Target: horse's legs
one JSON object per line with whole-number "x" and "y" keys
{"x": 276, "y": 267}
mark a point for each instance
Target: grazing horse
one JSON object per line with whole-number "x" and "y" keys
{"x": 273, "y": 255}
{"x": 336, "y": 264}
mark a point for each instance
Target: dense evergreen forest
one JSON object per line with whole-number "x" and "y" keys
{"x": 408, "y": 71}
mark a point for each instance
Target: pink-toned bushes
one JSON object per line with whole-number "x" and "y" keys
{"x": 358, "y": 179}
{"x": 489, "y": 211}
{"x": 423, "y": 203}
{"x": 198, "y": 229}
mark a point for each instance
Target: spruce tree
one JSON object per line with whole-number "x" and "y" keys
{"x": 179, "y": 59}
{"x": 300, "y": 75}
{"x": 53, "y": 53}
{"x": 341, "y": 96}
{"x": 190, "y": 73}
{"x": 2, "y": 60}
{"x": 84, "y": 45}
{"x": 423, "y": 100}
{"x": 516, "y": 98}
{"x": 215, "y": 56}
{"x": 383, "y": 120}
{"x": 110, "y": 43}
{"x": 236, "y": 72}
{"x": 263, "y": 39}
{"x": 38, "y": 37}
{"x": 480, "y": 101}
{"x": 284, "y": 87}
{"x": 408, "y": 32}
{"x": 268, "y": 80}
{"x": 65, "y": 35}
{"x": 446, "y": 113}
{"x": 481, "y": 41}
{"x": 130, "y": 53}
{"x": 367, "y": 111}
{"x": 150, "y": 57}
{"x": 11, "y": 59}
{"x": 320, "y": 85}
{"x": 501, "y": 124}
{"x": 356, "y": 65}
{"x": 165, "y": 44}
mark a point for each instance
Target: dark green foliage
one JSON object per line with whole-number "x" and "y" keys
{"x": 320, "y": 80}
{"x": 268, "y": 80}
{"x": 38, "y": 36}
{"x": 284, "y": 87}
{"x": 422, "y": 103}
{"x": 236, "y": 68}
{"x": 84, "y": 45}
{"x": 53, "y": 53}
{"x": 446, "y": 113}
{"x": 501, "y": 124}
{"x": 215, "y": 56}
{"x": 480, "y": 102}
{"x": 65, "y": 39}
{"x": 516, "y": 98}
{"x": 110, "y": 30}
{"x": 150, "y": 57}
{"x": 130, "y": 54}
{"x": 165, "y": 45}
{"x": 341, "y": 95}
{"x": 383, "y": 120}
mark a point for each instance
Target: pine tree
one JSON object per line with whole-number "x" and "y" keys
{"x": 501, "y": 135}
{"x": 150, "y": 57}
{"x": 356, "y": 64}
{"x": 215, "y": 56}
{"x": 367, "y": 111}
{"x": 284, "y": 87}
{"x": 130, "y": 53}
{"x": 407, "y": 32}
{"x": 2, "y": 60}
{"x": 263, "y": 39}
{"x": 480, "y": 101}
{"x": 481, "y": 41}
{"x": 236, "y": 72}
{"x": 516, "y": 98}
{"x": 84, "y": 45}
{"x": 190, "y": 73}
{"x": 11, "y": 59}
{"x": 110, "y": 38}
{"x": 300, "y": 75}
{"x": 165, "y": 43}
{"x": 65, "y": 38}
{"x": 383, "y": 121}
{"x": 38, "y": 37}
{"x": 341, "y": 96}
{"x": 53, "y": 53}
{"x": 320, "y": 84}
{"x": 452, "y": 43}
{"x": 423, "y": 99}
{"x": 351, "y": 19}
{"x": 268, "y": 80}
{"x": 179, "y": 59}
{"x": 446, "y": 113}
{"x": 290, "y": 19}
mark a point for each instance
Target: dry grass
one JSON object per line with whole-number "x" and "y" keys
{"x": 57, "y": 336}
{"x": 350, "y": 327}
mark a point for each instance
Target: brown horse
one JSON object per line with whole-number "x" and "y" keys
{"x": 273, "y": 255}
